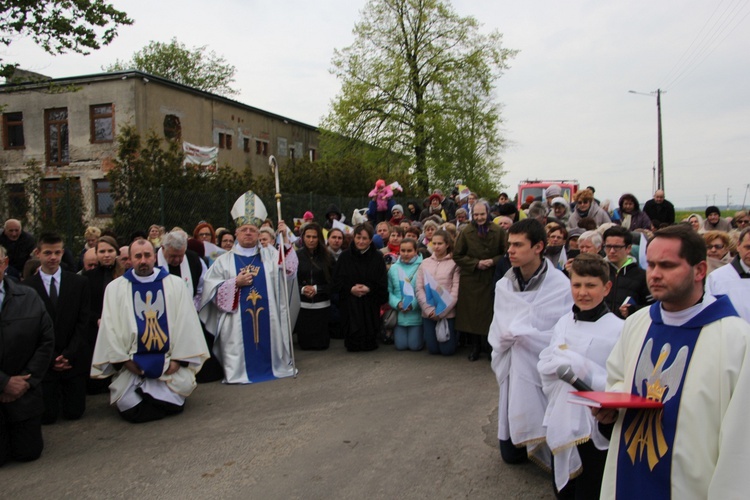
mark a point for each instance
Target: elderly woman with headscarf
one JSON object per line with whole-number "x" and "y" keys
{"x": 479, "y": 248}
{"x": 629, "y": 214}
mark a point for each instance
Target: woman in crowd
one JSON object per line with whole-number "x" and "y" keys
{"x": 412, "y": 211}
{"x": 561, "y": 210}
{"x": 479, "y": 247}
{"x": 439, "y": 270}
{"x": 393, "y": 246}
{"x": 91, "y": 235}
{"x": 696, "y": 222}
{"x": 314, "y": 279}
{"x": 204, "y": 232}
{"x": 587, "y": 207}
{"x": 401, "y": 280}
{"x": 397, "y": 215}
{"x": 428, "y": 229}
{"x": 155, "y": 232}
{"x": 226, "y": 240}
{"x": 99, "y": 277}
{"x": 362, "y": 283}
{"x": 629, "y": 214}
{"x": 718, "y": 245}
{"x": 335, "y": 243}
{"x": 555, "y": 248}
{"x": 266, "y": 236}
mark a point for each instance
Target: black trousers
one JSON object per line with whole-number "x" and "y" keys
{"x": 589, "y": 484}
{"x": 20, "y": 441}
{"x": 150, "y": 409}
{"x": 512, "y": 454}
{"x": 63, "y": 393}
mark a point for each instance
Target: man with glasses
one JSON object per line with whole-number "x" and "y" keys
{"x": 629, "y": 289}
{"x": 734, "y": 279}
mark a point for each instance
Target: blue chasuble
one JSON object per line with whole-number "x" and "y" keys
{"x": 152, "y": 334}
{"x": 256, "y": 320}
{"x": 644, "y": 462}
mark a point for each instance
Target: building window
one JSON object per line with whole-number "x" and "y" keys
{"x": 229, "y": 141}
{"x": 104, "y": 203}
{"x": 261, "y": 148}
{"x": 246, "y": 144}
{"x": 102, "y": 122}
{"x": 17, "y": 205}
{"x": 13, "y": 131}
{"x": 56, "y": 136}
{"x": 312, "y": 154}
{"x": 56, "y": 195}
{"x": 172, "y": 127}
{"x": 222, "y": 140}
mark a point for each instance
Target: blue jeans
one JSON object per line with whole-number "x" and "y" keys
{"x": 446, "y": 348}
{"x": 408, "y": 337}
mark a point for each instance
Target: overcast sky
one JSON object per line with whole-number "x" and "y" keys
{"x": 567, "y": 111}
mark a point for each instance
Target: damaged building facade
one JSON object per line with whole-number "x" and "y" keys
{"x": 69, "y": 127}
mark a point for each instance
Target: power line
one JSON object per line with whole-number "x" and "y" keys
{"x": 708, "y": 43}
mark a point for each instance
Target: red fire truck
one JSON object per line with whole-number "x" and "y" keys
{"x": 538, "y": 189}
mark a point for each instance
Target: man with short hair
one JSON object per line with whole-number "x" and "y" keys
{"x": 66, "y": 297}
{"x": 28, "y": 338}
{"x": 243, "y": 306}
{"x": 18, "y": 244}
{"x": 659, "y": 209}
{"x": 90, "y": 260}
{"x": 124, "y": 257}
{"x": 529, "y": 301}
{"x": 629, "y": 289}
{"x": 175, "y": 257}
{"x": 734, "y": 279}
{"x": 150, "y": 340}
{"x": 691, "y": 352}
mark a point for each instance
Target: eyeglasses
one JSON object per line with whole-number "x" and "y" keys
{"x": 715, "y": 247}
{"x": 204, "y": 234}
{"x": 614, "y": 247}
{"x": 743, "y": 221}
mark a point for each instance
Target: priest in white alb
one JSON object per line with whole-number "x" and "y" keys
{"x": 150, "y": 340}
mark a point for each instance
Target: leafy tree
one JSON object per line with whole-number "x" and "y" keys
{"x": 193, "y": 67}
{"x": 417, "y": 82}
{"x": 59, "y": 26}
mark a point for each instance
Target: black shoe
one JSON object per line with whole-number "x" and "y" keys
{"x": 474, "y": 356}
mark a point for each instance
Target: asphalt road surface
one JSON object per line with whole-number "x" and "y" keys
{"x": 383, "y": 424}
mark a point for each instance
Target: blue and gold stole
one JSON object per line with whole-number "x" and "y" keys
{"x": 644, "y": 462}
{"x": 256, "y": 320}
{"x": 150, "y": 310}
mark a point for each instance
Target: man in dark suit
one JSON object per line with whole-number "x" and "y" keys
{"x": 66, "y": 297}
{"x": 25, "y": 352}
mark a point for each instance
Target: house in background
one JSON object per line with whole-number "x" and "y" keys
{"x": 69, "y": 126}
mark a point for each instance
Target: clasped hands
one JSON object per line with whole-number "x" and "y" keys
{"x": 15, "y": 388}
{"x": 360, "y": 290}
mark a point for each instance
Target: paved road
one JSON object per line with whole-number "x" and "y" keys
{"x": 384, "y": 424}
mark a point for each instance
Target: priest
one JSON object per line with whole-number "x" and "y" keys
{"x": 691, "y": 352}
{"x": 241, "y": 304}
{"x": 150, "y": 340}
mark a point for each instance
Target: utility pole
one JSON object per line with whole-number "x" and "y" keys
{"x": 660, "y": 148}
{"x": 727, "y": 198}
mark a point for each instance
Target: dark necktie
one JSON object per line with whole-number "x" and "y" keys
{"x": 53, "y": 291}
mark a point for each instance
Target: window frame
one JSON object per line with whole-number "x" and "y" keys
{"x": 47, "y": 146}
{"x": 7, "y": 124}
{"x": 92, "y": 120}
{"x": 98, "y": 190}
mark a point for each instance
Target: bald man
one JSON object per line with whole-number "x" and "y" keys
{"x": 659, "y": 209}
{"x": 124, "y": 257}
{"x": 19, "y": 245}
{"x": 89, "y": 260}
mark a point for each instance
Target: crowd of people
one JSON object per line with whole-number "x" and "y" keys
{"x": 533, "y": 289}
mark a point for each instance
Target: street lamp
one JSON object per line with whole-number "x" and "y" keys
{"x": 660, "y": 153}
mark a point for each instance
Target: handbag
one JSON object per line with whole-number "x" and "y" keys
{"x": 442, "y": 331}
{"x": 390, "y": 318}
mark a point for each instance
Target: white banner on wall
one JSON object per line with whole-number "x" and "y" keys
{"x": 199, "y": 155}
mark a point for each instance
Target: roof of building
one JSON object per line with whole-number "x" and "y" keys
{"x": 147, "y": 77}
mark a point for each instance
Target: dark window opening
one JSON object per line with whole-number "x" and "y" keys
{"x": 172, "y": 127}
{"x": 13, "y": 131}
{"x": 102, "y": 123}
